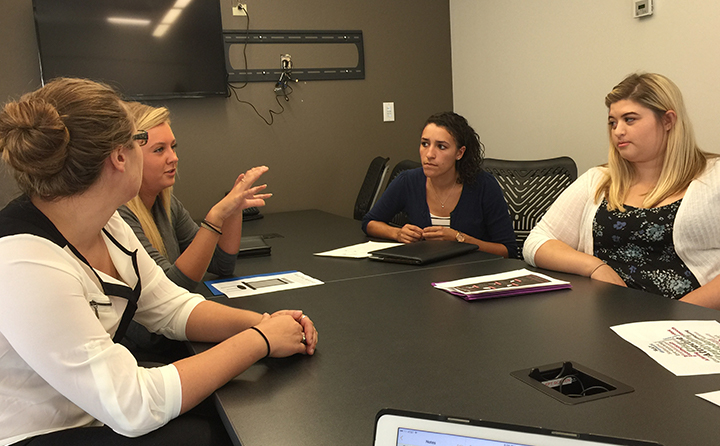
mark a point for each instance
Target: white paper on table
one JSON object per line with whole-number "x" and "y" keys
{"x": 683, "y": 347}
{"x": 713, "y": 397}
{"x": 359, "y": 251}
{"x": 263, "y": 283}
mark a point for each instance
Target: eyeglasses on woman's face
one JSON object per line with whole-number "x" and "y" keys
{"x": 141, "y": 137}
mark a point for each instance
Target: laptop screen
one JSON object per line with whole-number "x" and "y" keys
{"x": 411, "y": 437}
{"x": 404, "y": 428}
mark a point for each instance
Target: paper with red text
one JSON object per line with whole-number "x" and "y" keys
{"x": 683, "y": 347}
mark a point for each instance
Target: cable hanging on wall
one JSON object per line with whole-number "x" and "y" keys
{"x": 282, "y": 87}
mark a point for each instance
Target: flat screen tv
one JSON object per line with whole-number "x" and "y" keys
{"x": 146, "y": 49}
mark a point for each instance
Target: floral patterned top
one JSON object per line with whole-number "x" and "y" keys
{"x": 638, "y": 245}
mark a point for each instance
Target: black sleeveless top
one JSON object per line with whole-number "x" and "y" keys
{"x": 638, "y": 245}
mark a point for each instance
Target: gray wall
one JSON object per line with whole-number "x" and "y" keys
{"x": 319, "y": 149}
{"x": 533, "y": 75}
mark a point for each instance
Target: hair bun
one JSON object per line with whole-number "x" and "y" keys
{"x": 33, "y": 137}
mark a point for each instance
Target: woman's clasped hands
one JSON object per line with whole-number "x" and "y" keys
{"x": 288, "y": 332}
{"x": 411, "y": 233}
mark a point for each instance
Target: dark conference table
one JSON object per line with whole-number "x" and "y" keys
{"x": 389, "y": 339}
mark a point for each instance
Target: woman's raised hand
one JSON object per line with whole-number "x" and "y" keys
{"x": 242, "y": 196}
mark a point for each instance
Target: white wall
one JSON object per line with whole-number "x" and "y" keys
{"x": 531, "y": 75}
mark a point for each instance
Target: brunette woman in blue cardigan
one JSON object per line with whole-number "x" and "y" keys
{"x": 450, "y": 197}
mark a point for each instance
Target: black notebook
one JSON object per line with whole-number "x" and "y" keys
{"x": 422, "y": 252}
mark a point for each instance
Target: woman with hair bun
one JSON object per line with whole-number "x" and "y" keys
{"x": 648, "y": 219}
{"x": 450, "y": 197}
{"x": 73, "y": 275}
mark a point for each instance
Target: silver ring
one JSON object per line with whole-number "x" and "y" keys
{"x": 303, "y": 317}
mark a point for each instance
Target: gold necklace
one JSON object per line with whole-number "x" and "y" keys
{"x": 442, "y": 202}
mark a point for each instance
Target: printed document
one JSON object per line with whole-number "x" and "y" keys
{"x": 683, "y": 347}
{"x": 713, "y": 397}
{"x": 261, "y": 284}
{"x": 359, "y": 251}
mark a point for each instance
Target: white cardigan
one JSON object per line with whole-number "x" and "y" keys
{"x": 696, "y": 233}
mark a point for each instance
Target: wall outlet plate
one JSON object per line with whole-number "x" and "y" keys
{"x": 239, "y": 9}
{"x": 643, "y": 8}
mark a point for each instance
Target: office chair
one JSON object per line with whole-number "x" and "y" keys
{"x": 370, "y": 189}
{"x": 401, "y": 218}
{"x": 530, "y": 187}
{"x": 403, "y": 165}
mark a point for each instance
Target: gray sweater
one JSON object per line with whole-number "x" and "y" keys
{"x": 177, "y": 233}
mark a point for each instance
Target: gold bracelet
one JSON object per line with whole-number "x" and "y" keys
{"x": 596, "y": 268}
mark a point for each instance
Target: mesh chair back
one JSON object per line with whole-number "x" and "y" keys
{"x": 370, "y": 189}
{"x": 401, "y": 219}
{"x": 403, "y": 165}
{"x": 530, "y": 187}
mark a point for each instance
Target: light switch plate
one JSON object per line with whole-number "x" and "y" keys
{"x": 388, "y": 111}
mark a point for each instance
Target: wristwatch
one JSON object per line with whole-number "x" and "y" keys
{"x": 460, "y": 237}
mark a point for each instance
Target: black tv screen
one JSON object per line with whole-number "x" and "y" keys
{"x": 147, "y": 49}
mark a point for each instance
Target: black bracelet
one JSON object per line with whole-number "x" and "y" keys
{"x": 266, "y": 340}
{"x": 207, "y": 225}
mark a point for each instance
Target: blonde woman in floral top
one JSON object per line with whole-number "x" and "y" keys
{"x": 648, "y": 218}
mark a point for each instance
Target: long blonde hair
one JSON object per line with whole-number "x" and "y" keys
{"x": 683, "y": 160}
{"x": 147, "y": 117}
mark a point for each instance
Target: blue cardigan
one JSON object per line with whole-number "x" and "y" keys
{"x": 481, "y": 211}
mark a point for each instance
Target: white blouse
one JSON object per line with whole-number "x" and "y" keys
{"x": 59, "y": 367}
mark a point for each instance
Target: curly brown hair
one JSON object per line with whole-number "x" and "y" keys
{"x": 470, "y": 164}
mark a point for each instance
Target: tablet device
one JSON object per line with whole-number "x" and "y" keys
{"x": 253, "y": 245}
{"x": 422, "y": 252}
{"x": 404, "y": 428}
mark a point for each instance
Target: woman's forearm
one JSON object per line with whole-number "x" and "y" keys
{"x": 202, "y": 374}
{"x": 490, "y": 247}
{"x": 707, "y": 295}
{"x": 194, "y": 261}
{"x": 231, "y": 234}
{"x": 558, "y": 256}
{"x": 214, "y": 322}
{"x": 382, "y": 230}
